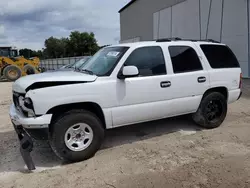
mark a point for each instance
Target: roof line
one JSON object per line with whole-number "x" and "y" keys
{"x": 126, "y": 6}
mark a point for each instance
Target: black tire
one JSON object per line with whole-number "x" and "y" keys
{"x": 12, "y": 72}
{"x": 205, "y": 117}
{"x": 63, "y": 123}
{"x": 29, "y": 69}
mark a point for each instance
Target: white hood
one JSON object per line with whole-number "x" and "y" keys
{"x": 66, "y": 76}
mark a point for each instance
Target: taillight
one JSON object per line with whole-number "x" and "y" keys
{"x": 240, "y": 85}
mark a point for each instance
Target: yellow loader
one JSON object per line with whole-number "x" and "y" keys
{"x": 13, "y": 66}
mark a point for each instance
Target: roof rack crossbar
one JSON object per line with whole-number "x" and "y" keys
{"x": 211, "y": 40}
{"x": 180, "y": 39}
{"x": 168, "y": 39}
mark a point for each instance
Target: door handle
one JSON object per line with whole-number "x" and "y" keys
{"x": 165, "y": 84}
{"x": 202, "y": 79}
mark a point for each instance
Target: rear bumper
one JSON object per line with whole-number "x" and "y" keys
{"x": 29, "y": 122}
{"x": 239, "y": 95}
{"x": 234, "y": 95}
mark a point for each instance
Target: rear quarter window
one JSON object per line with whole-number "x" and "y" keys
{"x": 220, "y": 56}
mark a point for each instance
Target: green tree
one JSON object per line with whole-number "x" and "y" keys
{"x": 77, "y": 44}
{"x": 39, "y": 53}
{"x": 27, "y": 53}
{"x": 82, "y": 43}
{"x": 54, "y": 47}
{"x": 64, "y": 43}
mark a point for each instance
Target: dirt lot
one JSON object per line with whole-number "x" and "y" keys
{"x": 167, "y": 153}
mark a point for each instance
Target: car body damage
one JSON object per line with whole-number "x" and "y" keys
{"x": 39, "y": 85}
{"x": 49, "y": 79}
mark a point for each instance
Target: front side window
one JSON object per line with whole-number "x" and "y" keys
{"x": 184, "y": 59}
{"x": 220, "y": 56}
{"x": 149, "y": 61}
{"x": 104, "y": 61}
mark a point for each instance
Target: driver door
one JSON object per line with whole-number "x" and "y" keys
{"x": 145, "y": 97}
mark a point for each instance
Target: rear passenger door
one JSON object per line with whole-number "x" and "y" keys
{"x": 189, "y": 79}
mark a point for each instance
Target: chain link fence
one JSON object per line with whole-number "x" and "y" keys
{"x": 53, "y": 64}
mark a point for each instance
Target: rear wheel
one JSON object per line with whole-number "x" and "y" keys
{"x": 12, "y": 72}
{"x": 29, "y": 69}
{"x": 76, "y": 136}
{"x": 212, "y": 111}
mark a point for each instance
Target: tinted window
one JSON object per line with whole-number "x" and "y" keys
{"x": 220, "y": 56}
{"x": 149, "y": 61}
{"x": 184, "y": 59}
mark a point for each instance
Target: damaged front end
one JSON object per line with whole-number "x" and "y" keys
{"x": 26, "y": 146}
{"x": 25, "y": 124}
{"x": 31, "y": 104}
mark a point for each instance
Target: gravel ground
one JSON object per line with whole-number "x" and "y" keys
{"x": 166, "y": 153}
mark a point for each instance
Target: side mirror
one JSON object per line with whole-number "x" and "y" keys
{"x": 128, "y": 72}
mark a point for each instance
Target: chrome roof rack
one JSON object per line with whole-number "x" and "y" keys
{"x": 180, "y": 39}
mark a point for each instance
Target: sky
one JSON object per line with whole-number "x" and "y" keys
{"x": 27, "y": 23}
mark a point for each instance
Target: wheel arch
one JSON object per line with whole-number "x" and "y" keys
{"x": 221, "y": 89}
{"x": 93, "y": 107}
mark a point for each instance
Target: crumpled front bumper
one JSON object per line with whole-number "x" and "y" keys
{"x": 21, "y": 124}
{"x": 29, "y": 122}
{"x": 26, "y": 146}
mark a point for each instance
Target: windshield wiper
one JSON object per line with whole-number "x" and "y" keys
{"x": 88, "y": 71}
{"x": 84, "y": 70}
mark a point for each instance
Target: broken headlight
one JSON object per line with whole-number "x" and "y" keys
{"x": 27, "y": 106}
{"x": 28, "y": 103}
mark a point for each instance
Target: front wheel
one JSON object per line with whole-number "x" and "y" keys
{"x": 76, "y": 136}
{"x": 212, "y": 111}
{"x": 12, "y": 72}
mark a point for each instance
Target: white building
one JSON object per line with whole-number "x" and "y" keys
{"x": 222, "y": 20}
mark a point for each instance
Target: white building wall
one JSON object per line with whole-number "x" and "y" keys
{"x": 185, "y": 20}
{"x": 136, "y": 39}
{"x": 222, "y": 20}
{"x": 204, "y": 12}
{"x": 235, "y": 30}
{"x": 156, "y": 25}
{"x": 214, "y": 20}
{"x": 165, "y": 27}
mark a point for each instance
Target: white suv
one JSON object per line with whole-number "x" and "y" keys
{"x": 122, "y": 85}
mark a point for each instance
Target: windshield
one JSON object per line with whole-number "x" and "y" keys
{"x": 4, "y": 52}
{"x": 105, "y": 60}
{"x": 80, "y": 63}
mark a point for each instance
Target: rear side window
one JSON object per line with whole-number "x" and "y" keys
{"x": 184, "y": 59}
{"x": 220, "y": 56}
{"x": 149, "y": 61}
